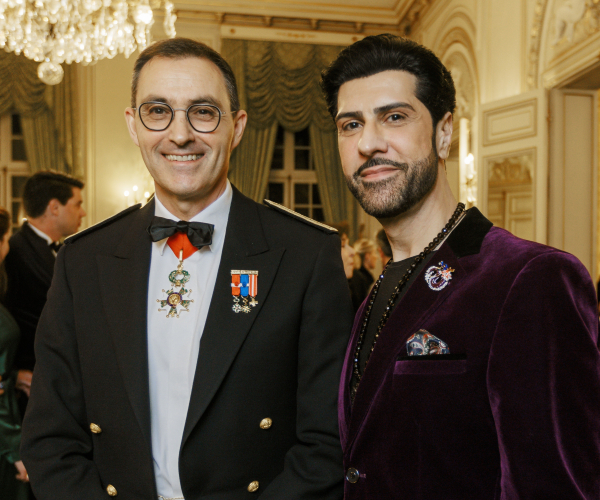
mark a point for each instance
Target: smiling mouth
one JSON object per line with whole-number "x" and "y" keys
{"x": 183, "y": 157}
{"x": 375, "y": 166}
{"x": 378, "y": 170}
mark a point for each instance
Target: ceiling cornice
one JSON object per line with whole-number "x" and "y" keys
{"x": 398, "y": 17}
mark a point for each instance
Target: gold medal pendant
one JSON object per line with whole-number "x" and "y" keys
{"x": 177, "y": 292}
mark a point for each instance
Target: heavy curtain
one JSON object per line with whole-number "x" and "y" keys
{"x": 48, "y": 114}
{"x": 279, "y": 85}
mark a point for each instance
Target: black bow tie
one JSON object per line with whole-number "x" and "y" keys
{"x": 199, "y": 233}
{"x": 55, "y": 245}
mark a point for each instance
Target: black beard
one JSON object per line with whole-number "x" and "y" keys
{"x": 397, "y": 194}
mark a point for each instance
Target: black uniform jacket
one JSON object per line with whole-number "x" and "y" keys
{"x": 281, "y": 361}
{"x": 29, "y": 266}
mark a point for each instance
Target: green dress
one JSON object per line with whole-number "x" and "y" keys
{"x": 10, "y": 419}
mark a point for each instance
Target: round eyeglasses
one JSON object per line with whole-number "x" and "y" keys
{"x": 157, "y": 116}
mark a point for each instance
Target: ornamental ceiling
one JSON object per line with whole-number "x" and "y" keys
{"x": 331, "y": 15}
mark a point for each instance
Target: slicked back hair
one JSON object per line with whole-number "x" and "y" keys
{"x": 181, "y": 48}
{"x": 374, "y": 54}
{"x": 44, "y": 186}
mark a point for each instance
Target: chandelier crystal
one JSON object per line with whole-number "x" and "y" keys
{"x": 83, "y": 31}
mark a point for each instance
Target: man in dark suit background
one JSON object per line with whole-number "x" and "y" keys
{"x": 53, "y": 206}
{"x": 191, "y": 348}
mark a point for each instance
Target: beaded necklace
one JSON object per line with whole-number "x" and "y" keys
{"x": 390, "y": 305}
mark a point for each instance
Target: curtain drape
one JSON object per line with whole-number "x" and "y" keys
{"x": 279, "y": 85}
{"x": 49, "y": 116}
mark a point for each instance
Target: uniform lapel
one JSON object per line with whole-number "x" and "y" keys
{"x": 245, "y": 248}
{"x": 124, "y": 290}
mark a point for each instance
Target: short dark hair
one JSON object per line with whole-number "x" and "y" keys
{"x": 44, "y": 186}
{"x": 384, "y": 243}
{"x": 181, "y": 48}
{"x": 374, "y": 54}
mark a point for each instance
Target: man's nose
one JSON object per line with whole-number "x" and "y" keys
{"x": 180, "y": 130}
{"x": 372, "y": 140}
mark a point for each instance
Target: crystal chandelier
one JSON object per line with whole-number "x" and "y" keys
{"x": 58, "y": 31}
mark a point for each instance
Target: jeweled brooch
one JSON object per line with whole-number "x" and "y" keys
{"x": 438, "y": 277}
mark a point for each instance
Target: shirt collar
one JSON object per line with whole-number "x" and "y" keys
{"x": 40, "y": 233}
{"x": 217, "y": 214}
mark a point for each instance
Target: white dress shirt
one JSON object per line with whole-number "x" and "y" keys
{"x": 174, "y": 343}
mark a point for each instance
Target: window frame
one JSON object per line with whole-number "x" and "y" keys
{"x": 289, "y": 176}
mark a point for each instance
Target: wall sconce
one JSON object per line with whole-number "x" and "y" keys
{"x": 135, "y": 196}
{"x": 471, "y": 178}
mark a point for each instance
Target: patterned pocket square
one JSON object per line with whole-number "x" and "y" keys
{"x": 423, "y": 343}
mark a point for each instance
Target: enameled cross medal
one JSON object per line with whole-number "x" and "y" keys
{"x": 175, "y": 295}
{"x": 244, "y": 285}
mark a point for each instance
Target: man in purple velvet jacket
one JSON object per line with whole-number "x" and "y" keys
{"x": 473, "y": 371}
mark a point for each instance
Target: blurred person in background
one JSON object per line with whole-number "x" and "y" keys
{"x": 367, "y": 253}
{"x": 355, "y": 282}
{"x": 13, "y": 477}
{"x": 53, "y": 205}
{"x": 383, "y": 247}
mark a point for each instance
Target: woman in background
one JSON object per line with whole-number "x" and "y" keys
{"x": 13, "y": 477}
{"x": 367, "y": 253}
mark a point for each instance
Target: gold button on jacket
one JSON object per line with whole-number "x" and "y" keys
{"x": 253, "y": 486}
{"x": 111, "y": 490}
{"x": 266, "y": 423}
{"x": 95, "y": 428}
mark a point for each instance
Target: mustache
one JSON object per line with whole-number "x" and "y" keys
{"x": 374, "y": 162}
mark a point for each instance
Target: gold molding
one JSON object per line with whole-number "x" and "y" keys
{"x": 288, "y": 23}
{"x": 399, "y": 21}
{"x": 288, "y": 35}
{"x": 528, "y": 107}
{"x": 511, "y": 169}
{"x": 376, "y": 11}
{"x": 535, "y": 44}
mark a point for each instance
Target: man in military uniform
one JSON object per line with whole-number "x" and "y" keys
{"x": 473, "y": 371}
{"x": 191, "y": 348}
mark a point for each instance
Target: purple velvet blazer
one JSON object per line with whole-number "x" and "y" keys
{"x": 513, "y": 412}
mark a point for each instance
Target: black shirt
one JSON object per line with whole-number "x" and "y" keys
{"x": 393, "y": 274}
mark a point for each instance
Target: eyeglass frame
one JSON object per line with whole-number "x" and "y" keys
{"x": 221, "y": 115}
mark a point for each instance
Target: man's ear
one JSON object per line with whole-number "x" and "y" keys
{"x": 130, "y": 120}
{"x": 239, "y": 125}
{"x": 443, "y": 136}
{"x": 53, "y": 207}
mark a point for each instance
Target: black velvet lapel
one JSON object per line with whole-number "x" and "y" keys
{"x": 467, "y": 238}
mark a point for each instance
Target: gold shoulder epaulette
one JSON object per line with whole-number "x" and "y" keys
{"x": 103, "y": 223}
{"x": 307, "y": 220}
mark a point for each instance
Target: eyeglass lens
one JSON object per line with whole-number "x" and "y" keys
{"x": 202, "y": 117}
